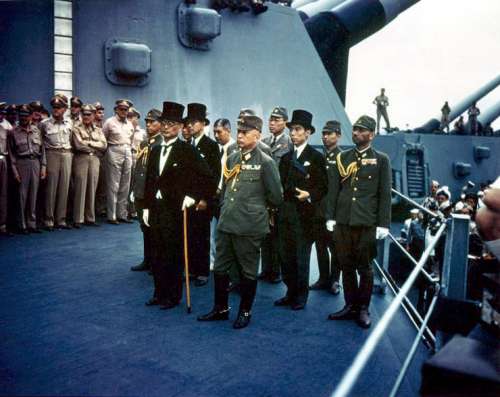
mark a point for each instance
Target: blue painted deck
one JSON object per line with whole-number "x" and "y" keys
{"x": 73, "y": 322}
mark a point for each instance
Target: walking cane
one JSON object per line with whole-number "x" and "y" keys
{"x": 186, "y": 261}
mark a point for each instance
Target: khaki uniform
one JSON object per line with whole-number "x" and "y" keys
{"x": 57, "y": 142}
{"x": 89, "y": 143}
{"x": 27, "y": 155}
{"x": 118, "y": 162}
{"x": 4, "y": 152}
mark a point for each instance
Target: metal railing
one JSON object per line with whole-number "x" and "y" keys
{"x": 361, "y": 359}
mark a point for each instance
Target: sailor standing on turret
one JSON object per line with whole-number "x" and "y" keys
{"x": 360, "y": 206}
{"x": 382, "y": 102}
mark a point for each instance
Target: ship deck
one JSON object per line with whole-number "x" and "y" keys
{"x": 73, "y": 322}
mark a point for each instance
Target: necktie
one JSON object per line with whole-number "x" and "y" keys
{"x": 273, "y": 141}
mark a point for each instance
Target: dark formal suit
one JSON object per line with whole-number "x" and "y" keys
{"x": 138, "y": 187}
{"x": 199, "y": 221}
{"x": 295, "y": 221}
{"x": 359, "y": 201}
{"x": 184, "y": 174}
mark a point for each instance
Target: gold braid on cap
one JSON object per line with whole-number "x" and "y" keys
{"x": 351, "y": 170}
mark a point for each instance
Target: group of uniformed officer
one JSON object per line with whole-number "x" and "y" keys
{"x": 69, "y": 153}
{"x": 272, "y": 199}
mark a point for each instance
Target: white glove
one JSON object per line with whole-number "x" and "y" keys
{"x": 381, "y": 233}
{"x": 188, "y": 202}
{"x": 330, "y": 225}
{"x": 132, "y": 198}
{"x": 145, "y": 217}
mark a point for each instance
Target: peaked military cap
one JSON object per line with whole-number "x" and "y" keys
{"x": 172, "y": 111}
{"x": 197, "y": 112}
{"x": 124, "y": 102}
{"x": 365, "y": 122}
{"x": 59, "y": 101}
{"x": 134, "y": 111}
{"x": 24, "y": 110}
{"x": 3, "y": 107}
{"x": 279, "y": 111}
{"x": 11, "y": 109}
{"x": 303, "y": 118}
{"x": 153, "y": 115}
{"x": 36, "y": 106}
{"x": 98, "y": 106}
{"x": 246, "y": 112}
{"x": 76, "y": 102}
{"x": 247, "y": 123}
{"x": 88, "y": 108}
{"x": 332, "y": 126}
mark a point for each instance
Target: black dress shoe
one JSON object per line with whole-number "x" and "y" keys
{"x": 94, "y": 224}
{"x": 335, "y": 288}
{"x": 77, "y": 225}
{"x": 298, "y": 306}
{"x": 168, "y": 305}
{"x": 123, "y": 220}
{"x": 216, "y": 314}
{"x": 200, "y": 281}
{"x": 141, "y": 267}
{"x": 318, "y": 285}
{"x": 363, "y": 319}
{"x": 243, "y": 320}
{"x": 152, "y": 302}
{"x": 348, "y": 312}
{"x": 274, "y": 278}
{"x": 113, "y": 222}
{"x": 285, "y": 301}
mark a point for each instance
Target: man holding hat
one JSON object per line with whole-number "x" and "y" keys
{"x": 176, "y": 179}
{"x": 201, "y": 215}
{"x": 280, "y": 144}
{"x": 329, "y": 272}
{"x": 251, "y": 186}
{"x": 89, "y": 142}
{"x": 305, "y": 183}
{"x": 56, "y": 132}
{"x": 360, "y": 212}
{"x": 118, "y": 131}
{"x": 154, "y": 138}
{"x": 27, "y": 155}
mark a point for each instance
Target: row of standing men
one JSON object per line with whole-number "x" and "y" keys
{"x": 280, "y": 195}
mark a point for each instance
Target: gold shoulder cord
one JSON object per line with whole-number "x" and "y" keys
{"x": 144, "y": 154}
{"x": 231, "y": 173}
{"x": 351, "y": 170}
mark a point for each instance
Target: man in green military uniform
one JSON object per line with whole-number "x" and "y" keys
{"x": 360, "y": 210}
{"x": 251, "y": 186}
{"x": 154, "y": 138}
{"x": 381, "y": 101}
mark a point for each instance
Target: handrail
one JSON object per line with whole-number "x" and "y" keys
{"x": 411, "y": 258}
{"x": 414, "y": 346}
{"x": 352, "y": 374}
{"x": 413, "y": 202}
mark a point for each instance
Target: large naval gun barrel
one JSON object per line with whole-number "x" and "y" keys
{"x": 434, "y": 123}
{"x": 489, "y": 115}
{"x": 335, "y": 30}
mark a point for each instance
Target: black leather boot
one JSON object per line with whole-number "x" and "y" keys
{"x": 248, "y": 289}
{"x": 220, "y": 310}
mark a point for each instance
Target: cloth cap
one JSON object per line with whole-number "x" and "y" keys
{"x": 365, "y": 122}
{"x": 36, "y": 106}
{"x": 88, "y": 108}
{"x": 98, "y": 106}
{"x": 75, "y": 101}
{"x": 445, "y": 191}
{"x": 246, "y": 112}
{"x": 247, "y": 123}
{"x": 332, "y": 126}
{"x": 279, "y": 111}
{"x": 24, "y": 110}
{"x": 153, "y": 115}
{"x": 124, "y": 102}
{"x": 135, "y": 112}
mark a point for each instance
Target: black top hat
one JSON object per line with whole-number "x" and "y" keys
{"x": 303, "y": 118}
{"x": 172, "y": 111}
{"x": 198, "y": 112}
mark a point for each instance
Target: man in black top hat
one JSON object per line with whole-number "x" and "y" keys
{"x": 359, "y": 209}
{"x": 329, "y": 272}
{"x": 201, "y": 215}
{"x": 305, "y": 183}
{"x": 176, "y": 179}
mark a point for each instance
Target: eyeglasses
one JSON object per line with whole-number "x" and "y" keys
{"x": 121, "y": 108}
{"x": 86, "y": 114}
